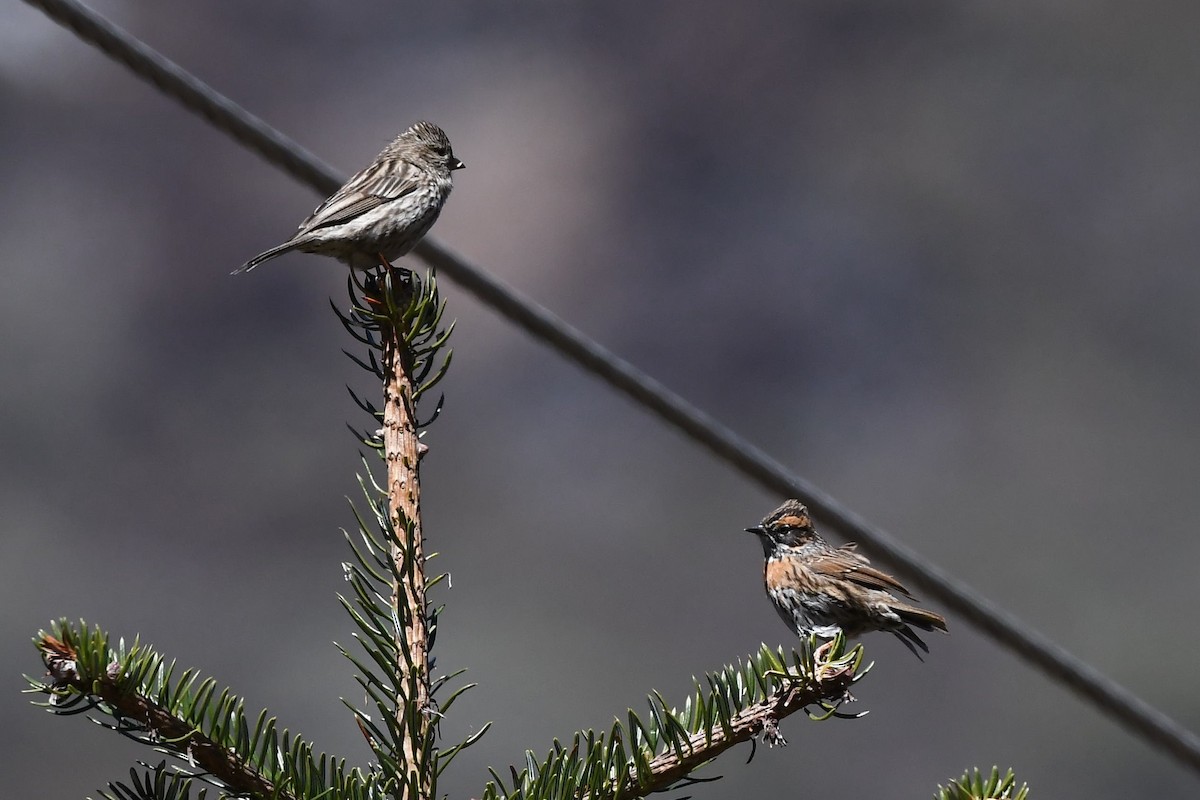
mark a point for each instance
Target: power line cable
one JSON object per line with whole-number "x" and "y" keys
{"x": 1125, "y": 708}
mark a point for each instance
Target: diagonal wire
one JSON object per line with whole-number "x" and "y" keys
{"x": 1125, "y": 708}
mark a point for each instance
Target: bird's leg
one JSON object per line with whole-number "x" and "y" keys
{"x": 383, "y": 261}
{"x": 370, "y": 288}
{"x": 821, "y": 652}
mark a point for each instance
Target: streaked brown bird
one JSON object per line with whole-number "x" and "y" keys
{"x": 821, "y": 589}
{"x": 382, "y": 212}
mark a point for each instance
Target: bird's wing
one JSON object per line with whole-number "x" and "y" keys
{"x": 382, "y": 182}
{"x": 847, "y": 564}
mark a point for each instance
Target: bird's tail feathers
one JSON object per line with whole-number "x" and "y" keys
{"x": 279, "y": 250}
{"x": 920, "y": 617}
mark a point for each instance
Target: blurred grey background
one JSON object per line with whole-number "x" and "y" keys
{"x": 937, "y": 256}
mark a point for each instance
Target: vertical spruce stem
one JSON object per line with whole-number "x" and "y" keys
{"x": 402, "y": 456}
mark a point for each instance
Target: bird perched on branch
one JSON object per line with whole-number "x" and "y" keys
{"x": 383, "y": 211}
{"x": 820, "y": 589}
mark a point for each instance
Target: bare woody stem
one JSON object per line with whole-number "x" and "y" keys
{"x": 402, "y": 456}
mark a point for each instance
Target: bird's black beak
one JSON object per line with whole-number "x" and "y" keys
{"x": 456, "y": 164}
{"x": 758, "y": 530}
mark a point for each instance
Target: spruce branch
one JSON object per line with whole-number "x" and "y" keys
{"x": 136, "y": 713}
{"x": 402, "y": 456}
{"x": 153, "y": 783}
{"x": 762, "y": 718}
{"x": 973, "y": 785}
{"x": 133, "y": 692}
{"x": 398, "y": 315}
{"x": 737, "y": 704}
